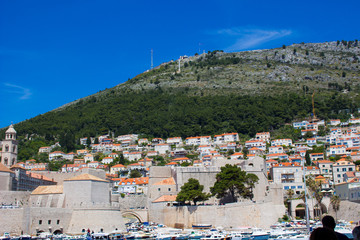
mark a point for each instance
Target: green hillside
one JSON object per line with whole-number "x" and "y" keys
{"x": 216, "y": 92}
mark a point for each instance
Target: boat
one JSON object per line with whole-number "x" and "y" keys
{"x": 259, "y": 234}
{"x": 25, "y": 237}
{"x": 6, "y": 236}
{"x": 100, "y": 236}
{"x": 217, "y": 236}
{"x": 344, "y": 230}
{"x": 201, "y": 226}
{"x": 239, "y": 236}
{"x": 297, "y": 237}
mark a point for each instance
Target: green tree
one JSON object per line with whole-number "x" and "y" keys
{"x": 88, "y": 141}
{"x": 192, "y": 190}
{"x": 245, "y": 152}
{"x": 135, "y": 174}
{"x": 307, "y": 158}
{"x": 315, "y": 189}
{"x": 234, "y": 182}
{"x": 335, "y": 203}
{"x": 290, "y": 193}
{"x": 57, "y": 165}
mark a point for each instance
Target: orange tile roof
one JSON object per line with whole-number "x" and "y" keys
{"x": 168, "y": 181}
{"x": 57, "y": 152}
{"x": 3, "y": 168}
{"x": 17, "y": 166}
{"x": 172, "y": 163}
{"x": 134, "y": 181}
{"x": 39, "y": 176}
{"x": 181, "y": 159}
{"x": 324, "y": 161}
{"x": 118, "y": 166}
{"x": 263, "y": 133}
{"x": 276, "y": 154}
{"x": 237, "y": 154}
{"x": 85, "y": 177}
{"x": 254, "y": 148}
{"x": 166, "y": 198}
{"x": 312, "y": 168}
{"x": 50, "y": 189}
{"x": 338, "y": 146}
{"x": 271, "y": 160}
{"x": 287, "y": 164}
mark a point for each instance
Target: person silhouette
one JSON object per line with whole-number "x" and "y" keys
{"x": 356, "y": 233}
{"x": 322, "y": 233}
{"x": 329, "y": 222}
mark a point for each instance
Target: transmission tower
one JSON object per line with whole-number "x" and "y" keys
{"x": 152, "y": 59}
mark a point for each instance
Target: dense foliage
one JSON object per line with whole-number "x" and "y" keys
{"x": 160, "y": 114}
{"x": 234, "y": 182}
{"x": 192, "y": 190}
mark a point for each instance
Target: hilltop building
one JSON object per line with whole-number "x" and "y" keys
{"x": 9, "y": 148}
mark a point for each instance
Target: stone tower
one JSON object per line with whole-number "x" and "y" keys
{"x": 9, "y": 147}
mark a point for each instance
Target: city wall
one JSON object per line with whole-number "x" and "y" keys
{"x": 349, "y": 211}
{"x": 133, "y": 202}
{"x": 59, "y": 177}
{"x": 20, "y": 198}
{"x": 95, "y": 220}
{"x": 228, "y": 216}
{"x": 72, "y": 221}
{"x": 12, "y": 221}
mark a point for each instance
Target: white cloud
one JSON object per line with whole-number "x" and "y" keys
{"x": 246, "y": 38}
{"x": 24, "y": 93}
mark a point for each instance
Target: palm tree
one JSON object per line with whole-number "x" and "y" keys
{"x": 290, "y": 193}
{"x": 315, "y": 189}
{"x": 335, "y": 203}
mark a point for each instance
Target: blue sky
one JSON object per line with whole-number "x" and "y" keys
{"x": 54, "y": 52}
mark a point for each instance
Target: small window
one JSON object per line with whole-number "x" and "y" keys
{"x": 159, "y": 189}
{"x": 169, "y": 189}
{"x": 40, "y": 222}
{"x": 58, "y": 222}
{"x": 49, "y": 221}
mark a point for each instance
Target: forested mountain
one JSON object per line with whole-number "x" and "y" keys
{"x": 216, "y": 92}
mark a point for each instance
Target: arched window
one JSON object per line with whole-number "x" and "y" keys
{"x": 13, "y": 161}
{"x": 6, "y": 148}
{"x": 14, "y": 148}
{"x": 5, "y": 161}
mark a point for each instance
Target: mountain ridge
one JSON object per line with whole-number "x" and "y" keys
{"x": 217, "y": 92}
{"x": 273, "y": 67}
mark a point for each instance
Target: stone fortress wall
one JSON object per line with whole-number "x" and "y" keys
{"x": 59, "y": 177}
{"x": 228, "y": 216}
{"x": 89, "y": 204}
{"x": 20, "y": 198}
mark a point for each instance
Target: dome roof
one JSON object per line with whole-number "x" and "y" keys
{"x": 11, "y": 129}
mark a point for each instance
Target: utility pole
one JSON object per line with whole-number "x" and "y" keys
{"x": 152, "y": 59}
{"x": 306, "y": 200}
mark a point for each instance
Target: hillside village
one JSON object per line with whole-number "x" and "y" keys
{"x": 143, "y": 177}
{"x": 332, "y": 159}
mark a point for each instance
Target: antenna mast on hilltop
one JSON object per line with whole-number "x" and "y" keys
{"x": 152, "y": 59}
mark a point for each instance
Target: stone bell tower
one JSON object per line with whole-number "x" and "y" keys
{"x": 9, "y": 148}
